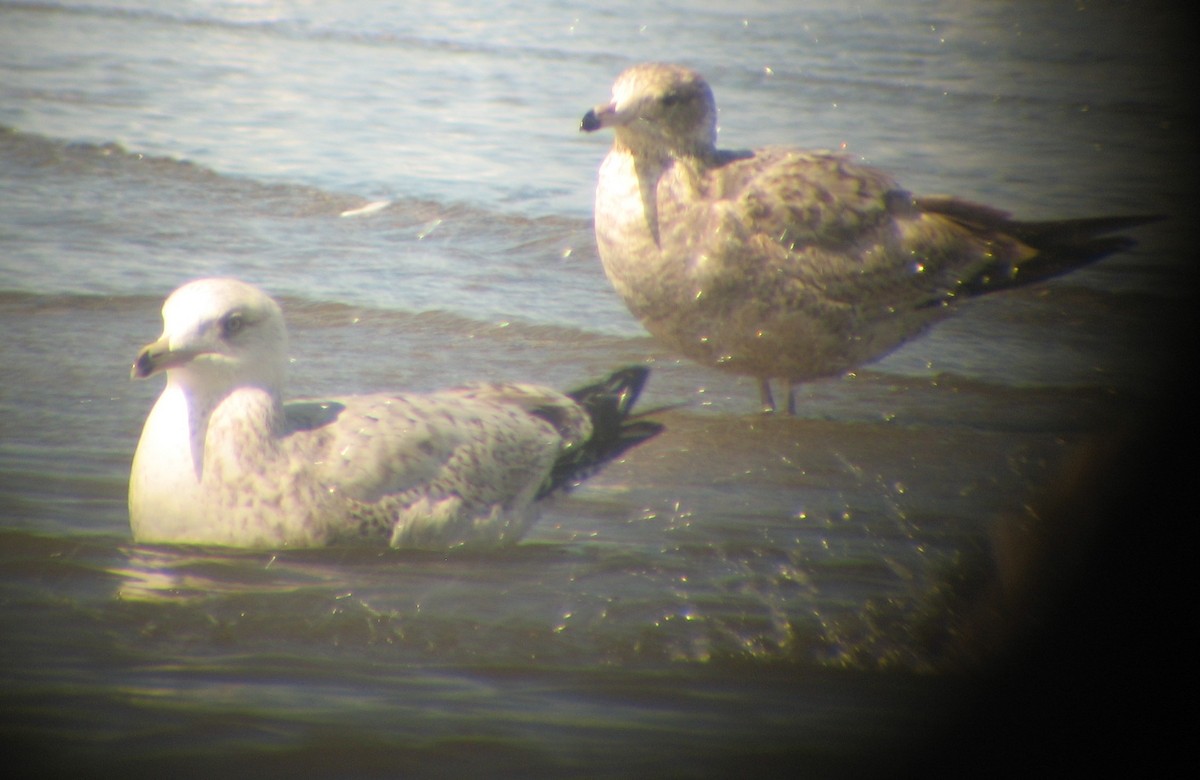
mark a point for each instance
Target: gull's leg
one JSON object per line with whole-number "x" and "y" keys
{"x": 791, "y": 404}
{"x": 764, "y": 392}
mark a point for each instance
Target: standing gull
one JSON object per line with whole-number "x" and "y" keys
{"x": 223, "y": 460}
{"x": 784, "y": 264}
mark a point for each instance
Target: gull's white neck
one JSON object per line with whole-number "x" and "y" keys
{"x": 192, "y": 435}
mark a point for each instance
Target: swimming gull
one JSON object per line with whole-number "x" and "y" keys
{"x": 785, "y": 264}
{"x": 223, "y": 460}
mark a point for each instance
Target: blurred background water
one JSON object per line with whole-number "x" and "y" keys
{"x": 833, "y": 594}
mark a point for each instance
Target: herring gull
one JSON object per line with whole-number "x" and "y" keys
{"x": 223, "y": 460}
{"x": 785, "y": 264}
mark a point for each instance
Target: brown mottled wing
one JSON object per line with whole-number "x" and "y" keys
{"x": 482, "y": 442}
{"x": 822, "y": 231}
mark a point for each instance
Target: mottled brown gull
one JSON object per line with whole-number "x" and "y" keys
{"x": 223, "y": 460}
{"x": 784, "y": 264}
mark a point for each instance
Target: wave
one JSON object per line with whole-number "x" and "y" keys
{"x": 309, "y": 314}
{"x": 97, "y": 217}
{"x": 302, "y": 29}
{"x": 797, "y": 80}
{"x": 42, "y": 154}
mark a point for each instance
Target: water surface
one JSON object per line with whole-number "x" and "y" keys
{"x": 816, "y": 594}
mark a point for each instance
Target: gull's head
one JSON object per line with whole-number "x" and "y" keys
{"x": 221, "y": 333}
{"x": 658, "y": 106}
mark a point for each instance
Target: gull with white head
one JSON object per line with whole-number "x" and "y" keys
{"x": 223, "y": 460}
{"x": 778, "y": 263}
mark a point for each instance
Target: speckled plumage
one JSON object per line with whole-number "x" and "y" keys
{"x": 785, "y": 264}
{"x": 222, "y": 460}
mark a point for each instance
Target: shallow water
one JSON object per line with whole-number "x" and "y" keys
{"x": 816, "y": 594}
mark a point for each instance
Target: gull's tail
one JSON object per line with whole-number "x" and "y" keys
{"x": 609, "y": 403}
{"x": 1054, "y": 247}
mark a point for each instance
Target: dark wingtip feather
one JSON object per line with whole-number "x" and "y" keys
{"x": 1062, "y": 246}
{"x": 609, "y": 403}
{"x": 1076, "y": 232}
{"x": 1056, "y": 247}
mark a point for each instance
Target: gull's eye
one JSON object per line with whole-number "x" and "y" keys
{"x": 232, "y": 324}
{"x": 671, "y": 98}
